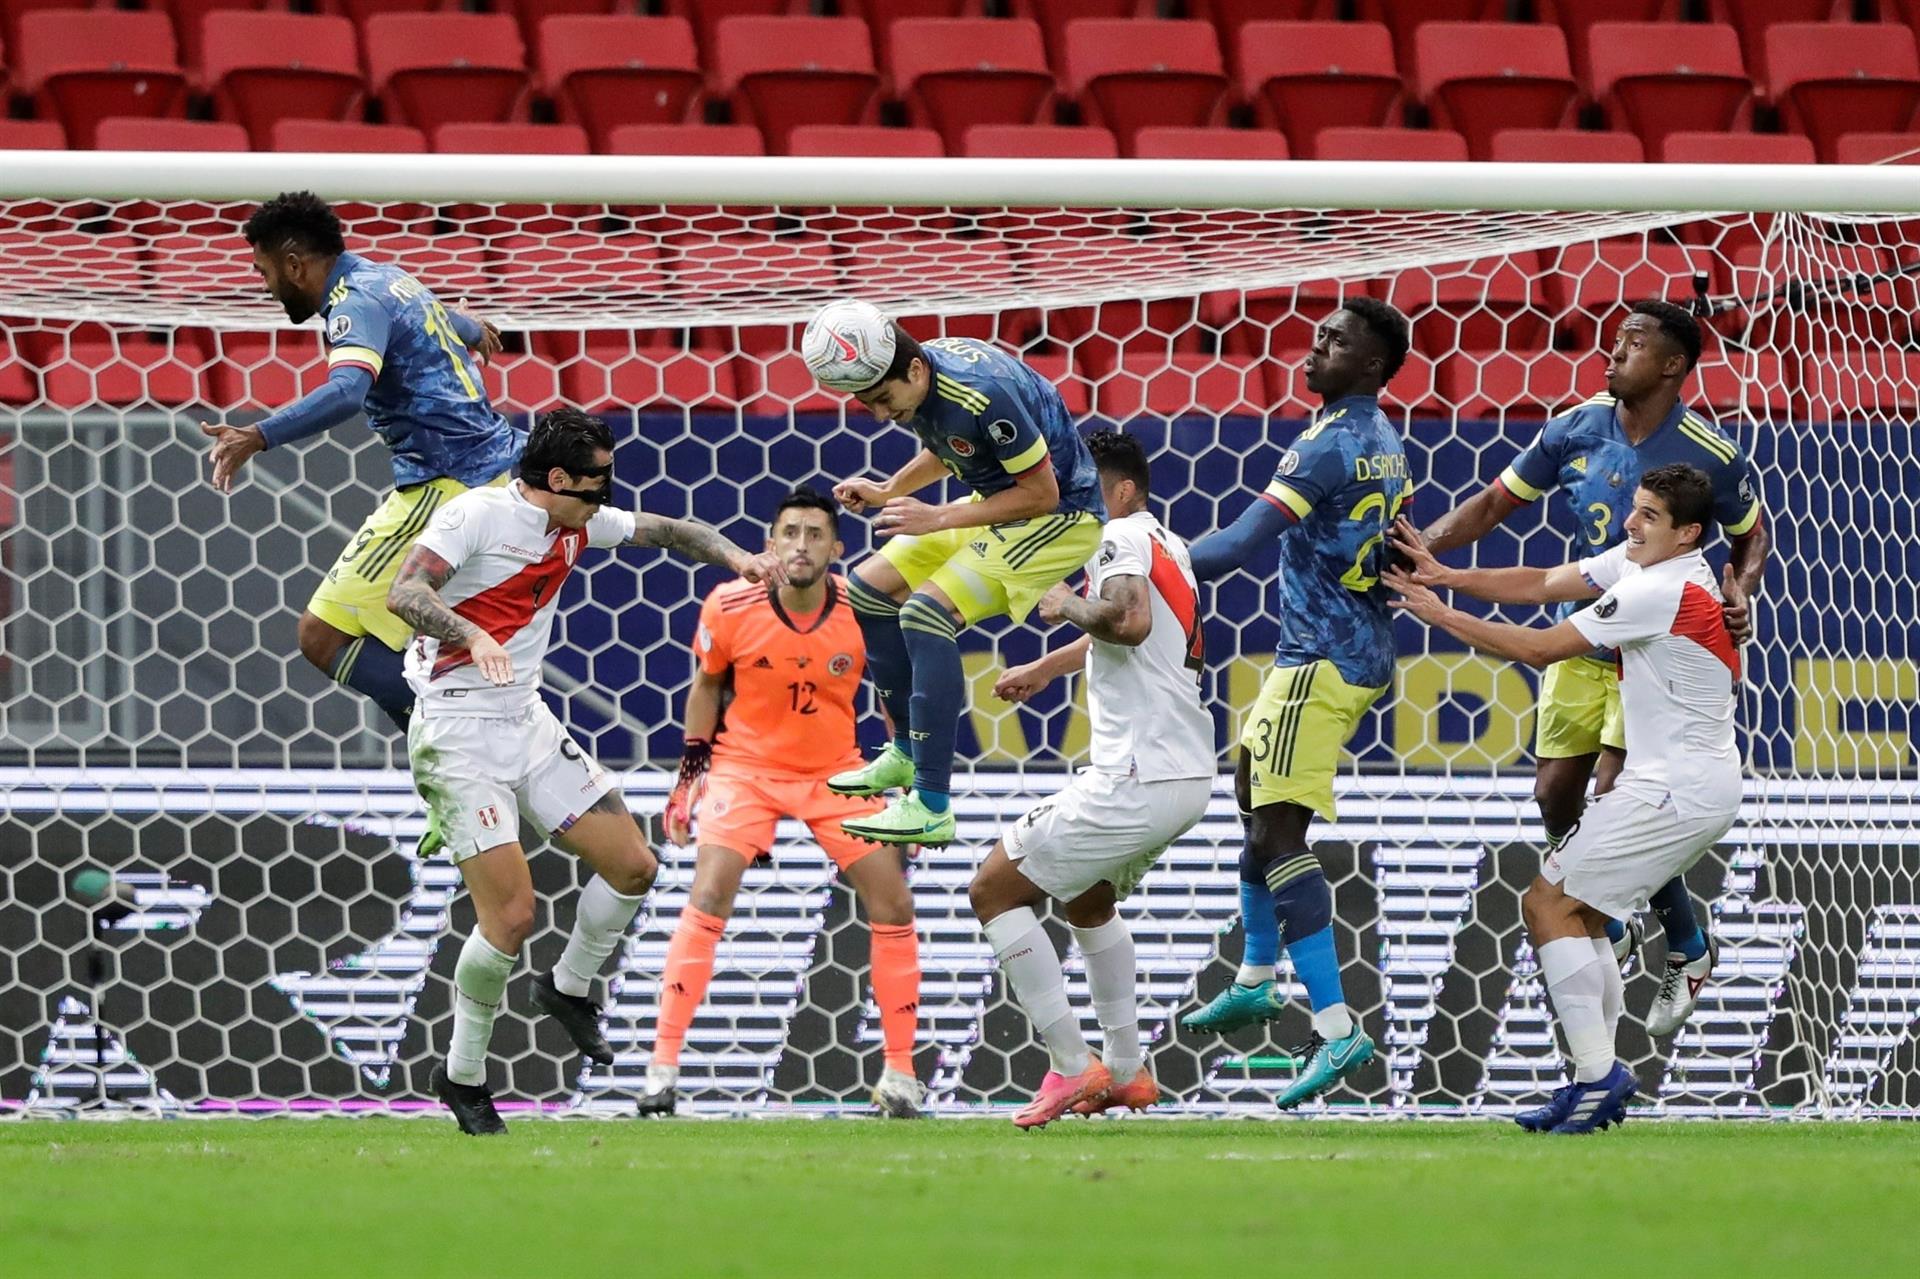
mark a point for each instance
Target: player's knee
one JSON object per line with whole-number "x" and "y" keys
{"x": 319, "y": 642}
{"x": 1540, "y": 906}
{"x": 510, "y": 924}
{"x": 636, "y": 871}
{"x": 1559, "y": 806}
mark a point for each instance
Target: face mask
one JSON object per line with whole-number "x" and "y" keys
{"x": 593, "y": 497}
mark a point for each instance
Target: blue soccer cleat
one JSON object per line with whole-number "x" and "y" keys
{"x": 1600, "y": 1104}
{"x": 1541, "y": 1118}
{"x": 1328, "y": 1062}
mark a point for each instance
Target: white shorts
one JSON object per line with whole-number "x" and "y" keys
{"x": 1108, "y": 827}
{"x": 479, "y": 774}
{"x": 1625, "y": 849}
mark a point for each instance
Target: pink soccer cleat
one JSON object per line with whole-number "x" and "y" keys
{"x": 1136, "y": 1094}
{"x": 1060, "y": 1093}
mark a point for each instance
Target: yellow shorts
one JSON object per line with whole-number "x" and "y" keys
{"x": 1294, "y": 733}
{"x": 352, "y": 597}
{"x": 998, "y": 568}
{"x": 1579, "y": 710}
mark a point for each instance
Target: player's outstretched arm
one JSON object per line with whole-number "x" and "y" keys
{"x": 1122, "y": 615}
{"x": 1224, "y": 550}
{"x": 1020, "y": 683}
{"x": 326, "y": 406}
{"x": 1536, "y": 646}
{"x": 1518, "y": 585}
{"x": 415, "y": 599}
{"x": 707, "y": 544}
{"x": 702, "y": 719}
{"x": 480, "y": 336}
{"x": 858, "y": 494}
{"x": 1471, "y": 520}
{"x": 1035, "y": 492}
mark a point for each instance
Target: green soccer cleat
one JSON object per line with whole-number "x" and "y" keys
{"x": 431, "y": 841}
{"x": 1327, "y": 1064}
{"x": 891, "y": 769}
{"x": 1236, "y": 1008}
{"x": 905, "y": 821}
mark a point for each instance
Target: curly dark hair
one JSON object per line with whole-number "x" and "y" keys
{"x": 566, "y": 438}
{"x": 1677, "y": 323}
{"x": 296, "y": 219}
{"x": 1386, "y": 323}
{"x": 1119, "y": 454}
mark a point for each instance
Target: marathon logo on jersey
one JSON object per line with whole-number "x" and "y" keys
{"x": 1606, "y": 608}
{"x": 338, "y": 327}
{"x": 1002, "y": 432}
{"x": 961, "y": 447}
{"x": 840, "y": 664}
{"x": 489, "y": 817}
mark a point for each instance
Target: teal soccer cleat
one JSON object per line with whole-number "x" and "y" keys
{"x": 1236, "y": 1008}
{"x": 1328, "y": 1062}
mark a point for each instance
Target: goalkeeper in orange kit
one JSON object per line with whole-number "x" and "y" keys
{"x": 792, "y": 657}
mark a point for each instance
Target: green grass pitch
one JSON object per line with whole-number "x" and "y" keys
{"x": 406, "y": 1198}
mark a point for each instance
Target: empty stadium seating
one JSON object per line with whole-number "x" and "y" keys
{"x": 1311, "y": 75}
{"x": 1830, "y": 79}
{"x": 263, "y": 68}
{"x": 1129, "y": 74}
{"x": 604, "y": 71}
{"x": 781, "y": 72}
{"x": 953, "y": 73}
{"x": 1566, "y": 146}
{"x": 1479, "y": 78}
{"x": 1657, "y": 77}
{"x": 431, "y": 69}
{"x": 83, "y": 66}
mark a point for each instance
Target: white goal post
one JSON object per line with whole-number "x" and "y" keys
{"x": 156, "y": 719}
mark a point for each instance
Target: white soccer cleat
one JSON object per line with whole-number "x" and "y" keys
{"x": 899, "y": 1095}
{"x": 1680, "y": 990}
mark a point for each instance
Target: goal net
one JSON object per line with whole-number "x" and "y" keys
{"x": 273, "y": 944}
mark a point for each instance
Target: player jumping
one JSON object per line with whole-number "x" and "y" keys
{"x": 479, "y": 588}
{"x": 1149, "y": 779}
{"x": 1595, "y": 455}
{"x": 398, "y": 355}
{"x": 1000, "y": 429}
{"x": 791, "y": 658}
{"x": 1680, "y": 789}
{"x": 1337, "y": 490}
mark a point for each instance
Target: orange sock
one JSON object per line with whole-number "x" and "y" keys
{"x": 896, "y": 988}
{"x": 683, "y": 982}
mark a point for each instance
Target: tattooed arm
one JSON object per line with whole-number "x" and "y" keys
{"x": 415, "y": 600}
{"x": 707, "y": 544}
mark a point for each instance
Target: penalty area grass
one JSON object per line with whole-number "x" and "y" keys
{"x": 1114, "y": 1199}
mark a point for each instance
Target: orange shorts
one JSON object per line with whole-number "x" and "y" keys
{"x": 739, "y": 811}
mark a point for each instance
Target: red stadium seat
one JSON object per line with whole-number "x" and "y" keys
{"x": 1390, "y": 144}
{"x": 455, "y": 267}
{"x": 511, "y": 139}
{"x": 1592, "y": 284}
{"x": 533, "y": 16}
{"x": 1481, "y": 77}
{"x": 359, "y": 11}
{"x": 1731, "y": 381}
{"x": 263, "y": 370}
{"x": 783, "y": 72}
{"x": 1835, "y": 79}
{"x": 432, "y": 69}
{"x": 1751, "y": 18}
{"x": 87, "y": 65}
{"x": 12, "y": 11}
{"x": 1657, "y": 77}
{"x": 1577, "y": 17}
{"x": 864, "y": 139}
{"x": 707, "y": 15}
{"x": 1688, "y": 147}
{"x": 1489, "y": 304}
{"x": 142, "y": 133}
{"x": 1054, "y": 16}
{"x": 263, "y": 68}
{"x": 1405, "y": 18}
{"x": 348, "y": 136}
{"x": 191, "y": 265}
{"x": 1483, "y": 384}
{"x": 1566, "y": 146}
{"x": 32, "y": 135}
{"x": 1180, "y": 383}
{"x": 1129, "y": 74}
{"x": 1040, "y": 141}
{"x": 1231, "y": 18}
{"x": 1877, "y": 148}
{"x": 620, "y": 371}
{"x": 1870, "y": 301}
{"x": 94, "y": 364}
{"x": 1415, "y": 388}
{"x": 944, "y": 265}
{"x": 953, "y": 73}
{"x": 1174, "y": 143}
{"x": 1316, "y": 75}
{"x": 884, "y": 16}
{"x": 576, "y": 269}
{"x": 19, "y": 384}
{"x": 685, "y": 139}
{"x": 189, "y": 30}
{"x": 604, "y": 72}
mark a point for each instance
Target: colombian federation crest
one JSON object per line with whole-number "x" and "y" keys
{"x": 840, "y": 664}
{"x": 961, "y": 446}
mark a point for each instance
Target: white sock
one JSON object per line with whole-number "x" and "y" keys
{"x": 1613, "y": 1002}
{"x": 1112, "y": 980}
{"x": 662, "y": 1077}
{"x": 1253, "y": 974}
{"x": 1038, "y": 985}
{"x": 1577, "y": 980}
{"x": 479, "y": 984}
{"x": 1335, "y": 1021}
{"x": 599, "y": 921}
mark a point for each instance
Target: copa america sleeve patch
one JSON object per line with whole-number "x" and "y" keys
{"x": 338, "y": 327}
{"x": 1606, "y": 608}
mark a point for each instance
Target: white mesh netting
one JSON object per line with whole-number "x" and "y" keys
{"x": 156, "y": 719}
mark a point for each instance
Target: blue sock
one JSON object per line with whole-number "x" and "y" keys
{"x": 1674, "y": 905}
{"x": 888, "y": 665}
{"x": 368, "y": 666}
{"x": 939, "y": 690}
{"x": 1616, "y": 931}
{"x": 1318, "y": 968}
{"x": 1303, "y": 908}
{"x": 1261, "y": 946}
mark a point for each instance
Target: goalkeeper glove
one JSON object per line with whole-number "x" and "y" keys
{"x": 678, "y": 819}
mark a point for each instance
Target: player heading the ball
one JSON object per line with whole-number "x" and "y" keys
{"x": 791, "y": 659}
{"x": 479, "y": 588}
{"x": 1000, "y": 428}
{"x": 1679, "y": 793}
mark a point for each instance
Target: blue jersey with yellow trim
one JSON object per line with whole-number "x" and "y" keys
{"x": 989, "y": 417}
{"x": 427, "y": 400}
{"x": 1343, "y": 481}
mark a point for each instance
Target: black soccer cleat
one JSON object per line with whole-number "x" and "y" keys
{"x": 577, "y": 1015}
{"x": 471, "y": 1104}
{"x": 656, "y": 1105}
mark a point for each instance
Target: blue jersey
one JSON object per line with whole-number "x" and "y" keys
{"x": 989, "y": 418}
{"x": 427, "y": 401}
{"x": 1343, "y": 481}
{"x": 1585, "y": 455}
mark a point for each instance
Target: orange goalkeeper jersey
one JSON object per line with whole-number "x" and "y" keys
{"x": 794, "y": 679}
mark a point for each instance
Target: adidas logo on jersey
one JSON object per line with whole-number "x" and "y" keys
{"x": 762, "y": 664}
